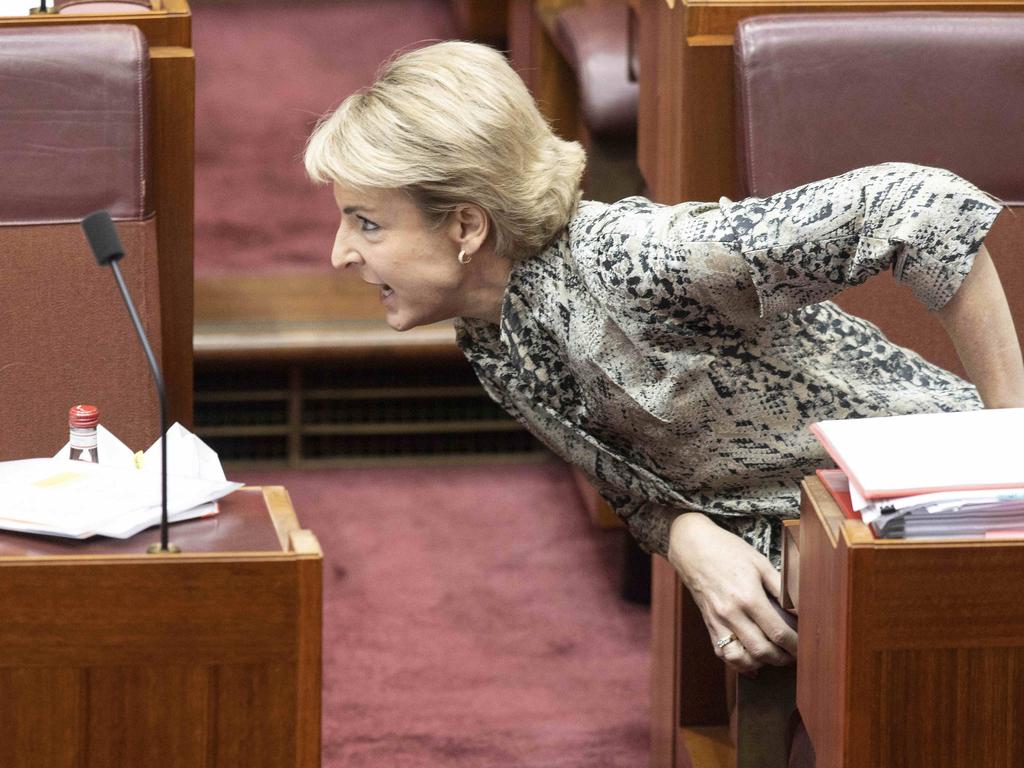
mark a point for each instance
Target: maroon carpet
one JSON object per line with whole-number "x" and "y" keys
{"x": 264, "y": 73}
{"x": 471, "y": 618}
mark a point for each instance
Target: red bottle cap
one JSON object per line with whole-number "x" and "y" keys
{"x": 83, "y": 416}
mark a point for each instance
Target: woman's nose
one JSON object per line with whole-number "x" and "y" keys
{"x": 343, "y": 254}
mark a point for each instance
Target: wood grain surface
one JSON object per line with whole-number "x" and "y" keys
{"x": 911, "y": 653}
{"x": 185, "y": 661}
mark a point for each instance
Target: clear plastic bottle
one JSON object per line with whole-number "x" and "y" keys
{"x": 82, "y": 421}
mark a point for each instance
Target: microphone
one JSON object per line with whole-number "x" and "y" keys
{"x": 107, "y": 249}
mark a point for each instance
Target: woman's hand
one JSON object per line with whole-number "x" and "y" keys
{"x": 730, "y": 581}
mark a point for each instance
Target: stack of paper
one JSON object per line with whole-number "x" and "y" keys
{"x": 935, "y": 475}
{"x": 18, "y": 7}
{"x": 116, "y": 497}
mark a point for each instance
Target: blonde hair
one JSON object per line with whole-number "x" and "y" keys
{"x": 453, "y": 123}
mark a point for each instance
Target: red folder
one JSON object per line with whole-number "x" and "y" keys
{"x": 837, "y": 484}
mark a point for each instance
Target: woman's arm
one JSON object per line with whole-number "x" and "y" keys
{"x": 978, "y": 321}
{"x": 811, "y": 243}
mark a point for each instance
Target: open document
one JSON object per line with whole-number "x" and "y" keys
{"x": 933, "y": 475}
{"x": 116, "y": 497}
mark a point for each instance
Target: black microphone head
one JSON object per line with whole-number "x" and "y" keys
{"x": 102, "y": 237}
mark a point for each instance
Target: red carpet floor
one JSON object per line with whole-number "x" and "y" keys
{"x": 264, "y": 73}
{"x": 472, "y": 619}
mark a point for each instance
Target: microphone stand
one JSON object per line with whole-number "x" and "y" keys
{"x": 107, "y": 249}
{"x": 164, "y": 545}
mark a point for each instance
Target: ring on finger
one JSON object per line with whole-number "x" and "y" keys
{"x": 724, "y": 641}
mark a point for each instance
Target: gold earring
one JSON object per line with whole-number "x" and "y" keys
{"x": 464, "y": 258}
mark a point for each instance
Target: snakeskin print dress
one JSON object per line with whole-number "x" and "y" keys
{"x": 677, "y": 354}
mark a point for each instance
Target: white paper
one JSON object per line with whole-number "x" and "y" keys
{"x": 893, "y": 456}
{"x": 78, "y": 499}
{"x": 18, "y": 7}
{"x": 187, "y": 455}
{"x": 945, "y": 501}
{"x": 857, "y": 501}
{"x": 128, "y": 525}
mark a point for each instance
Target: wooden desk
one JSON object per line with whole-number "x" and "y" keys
{"x": 911, "y": 653}
{"x": 686, "y": 142}
{"x": 111, "y": 657}
{"x": 172, "y": 64}
{"x": 689, "y": 716}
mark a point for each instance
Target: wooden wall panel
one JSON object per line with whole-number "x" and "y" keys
{"x": 173, "y": 121}
{"x": 665, "y": 586}
{"x": 204, "y": 602}
{"x": 41, "y": 717}
{"x": 925, "y": 696}
{"x": 911, "y": 652}
{"x": 171, "y": 731}
{"x": 253, "y": 708}
{"x": 821, "y": 683}
{"x": 483, "y": 20}
{"x": 539, "y": 63}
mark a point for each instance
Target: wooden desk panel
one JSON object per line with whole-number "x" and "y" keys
{"x": 689, "y": 713}
{"x": 911, "y": 653}
{"x": 109, "y": 656}
{"x": 173, "y": 121}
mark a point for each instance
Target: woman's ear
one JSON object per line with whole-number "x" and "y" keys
{"x": 469, "y": 227}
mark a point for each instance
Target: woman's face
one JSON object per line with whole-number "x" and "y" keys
{"x": 384, "y": 239}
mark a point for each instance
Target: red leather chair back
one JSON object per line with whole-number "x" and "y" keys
{"x": 74, "y": 138}
{"x": 819, "y": 94}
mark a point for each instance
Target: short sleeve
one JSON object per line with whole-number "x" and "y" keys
{"x": 807, "y": 244}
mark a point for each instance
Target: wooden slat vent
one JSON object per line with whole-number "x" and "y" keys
{"x": 314, "y": 414}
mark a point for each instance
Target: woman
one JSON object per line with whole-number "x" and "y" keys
{"x": 675, "y": 354}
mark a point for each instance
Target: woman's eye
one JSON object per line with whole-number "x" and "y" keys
{"x": 366, "y": 225}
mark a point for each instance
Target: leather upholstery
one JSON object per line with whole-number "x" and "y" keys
{"x": 75, "y": 130}
{"x": 74, "y": 102}
{"x": 594, "y": 39}
{"x": 821, "y": 94}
